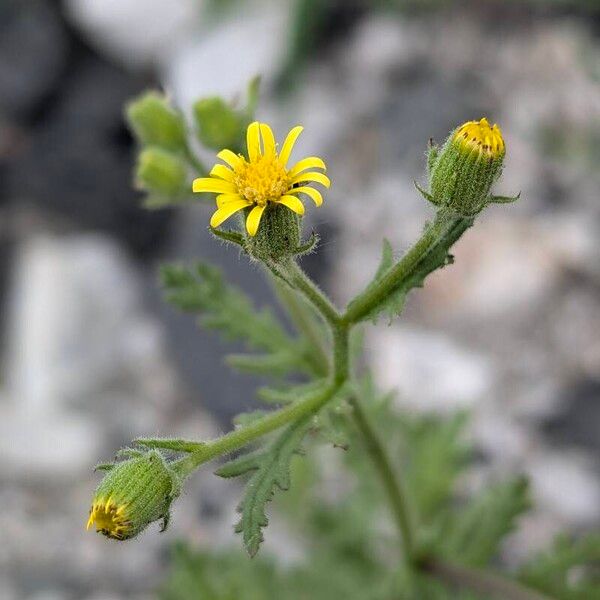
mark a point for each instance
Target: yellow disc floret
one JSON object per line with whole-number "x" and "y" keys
{"x": 262, "y": 177}
{"x": 481, "y": 137}
{"x": 110, "y": 519}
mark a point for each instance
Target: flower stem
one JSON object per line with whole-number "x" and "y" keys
{"x": 392, "y": 484}
{"x": 303, "y": 318}
{"x": 244, "y": 435}
{"x": 425, "y": 256}
{"x": 300, "y": 280}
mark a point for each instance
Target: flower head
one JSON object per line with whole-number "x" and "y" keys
{"x": 480, "y": 137}
{"x": 261, "y": 178}
{"x": 133, "y": 494}
{"x": 463, "y": 171}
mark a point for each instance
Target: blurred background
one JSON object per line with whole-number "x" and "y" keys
{"x": 92, "y": 357}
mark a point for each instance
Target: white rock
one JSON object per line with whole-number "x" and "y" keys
{"x": 430, "y": 371}
{"x": 223, "y": 59}
{"x": 566, "y": 484}
{"x": 135, "y": 32}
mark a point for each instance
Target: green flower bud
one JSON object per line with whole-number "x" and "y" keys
{"x": 155, "y": 122}
{"x": 218, "y": 125}
{"x": 278, "y": 235}
{"x": 462, "y": 172}
{"x": 133, "y": 494}
{"x": 161, "y": 172}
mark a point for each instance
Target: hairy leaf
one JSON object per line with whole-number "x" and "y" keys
{"x": 228, "y": 309}
{"x": 474, "y": 533}
{"x": 271, "y": 469}
{"x": 295, "y": 393}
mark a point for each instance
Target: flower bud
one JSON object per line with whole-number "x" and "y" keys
{"x": 161, "y": 172}
{"x": 463, "y": 171}
{"x": 133, "y": 494}
{"x": 155, "y": 122}
{"x": 218, "y": 125}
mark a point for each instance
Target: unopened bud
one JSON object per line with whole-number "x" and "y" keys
{"x": 462, "y": 172}
{"x": 155, "y": 122}
{"x": 133, "y": 494}
{"x": 161, "y": 172}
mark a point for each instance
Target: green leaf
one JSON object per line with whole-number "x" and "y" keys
{"x": 271, "y": 470}
{"x": 569, "y": 570}
{"x": 289, "y": 394}
{"x": 436, "y": 455}
{"x": 276, "y": 364}
{"x": 474, "y": 533}
{"x": 394, "y": 303}
{"x": 228, "y": 309}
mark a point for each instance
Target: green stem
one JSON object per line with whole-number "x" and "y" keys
{"x": 244, "y": 435}
{"x": 298, "y": 279}
{"x": 391, "y": 483}
{"x": 303, "y": 318}
{"x": 425, "y": 256}
{"x": 489, "y": 585}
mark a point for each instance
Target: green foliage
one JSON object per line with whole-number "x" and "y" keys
{"x": 430, "y": 254}
{"x": 155, "y": 122}
{"x": 569, "y": 570}
{"x": 163, "y": 174}
{"x": 271, "y": 469}
{"x": 220, "y": 125}
{"x": 227, "y": 308}
{"x": 473, "y": 535}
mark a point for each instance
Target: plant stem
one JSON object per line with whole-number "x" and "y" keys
{"x": 298, "y": 278}
{"x": 489, "y": 585}
{"x": 303, "y": 317}
{"x": 391, "y": 483}
{"x": 244, "y": 435}
{"x": 425, "y": 256}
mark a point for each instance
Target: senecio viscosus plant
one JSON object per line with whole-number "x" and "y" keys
{"x": 261, "y": 192}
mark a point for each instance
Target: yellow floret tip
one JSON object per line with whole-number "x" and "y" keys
{"x": 110, "y": 518}
{"x": 261, "y": 178}
{"x": 481, "y": 137}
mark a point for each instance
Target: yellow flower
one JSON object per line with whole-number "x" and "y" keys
{"x": 261, "y": 178}
{"x": 481, "y": 137}
{"x": 110, "y": 519}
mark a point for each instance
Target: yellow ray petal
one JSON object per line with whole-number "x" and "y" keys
{"x": 253, "y": 219}
{"x": 222, "y": 214}
{"x": 223, "y": 199}
{"x": 314, "y": 194}
{"x": 292, "y": 203}
{"x": 268, "y": 139}
{"x": 311, "y": 162}
{"x": 90, "y": 521}
{"x": 312, "y": 176}
{"x": 223, "y": 172}
{"x": 209, "y": 184}
{"x": 290, "y": 140}
{"x": 253, "y": 141}
{"x": 231, "y": 158}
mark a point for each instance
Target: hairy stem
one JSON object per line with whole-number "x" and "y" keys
{"x": 244, "y": 435}
{"x": 391, "y": 483}
{"x": 303, "y": 318}
{"x": 300, "y": 280}
{"x": 489, "y": 585}
{"x": 425, "y": 256}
